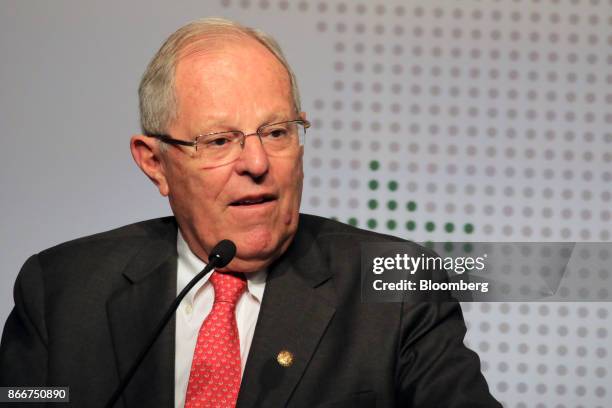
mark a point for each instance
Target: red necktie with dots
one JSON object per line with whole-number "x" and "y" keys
{"x": 214, "y": 379}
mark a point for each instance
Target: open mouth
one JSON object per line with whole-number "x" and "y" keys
{"x": 255, "y": 200}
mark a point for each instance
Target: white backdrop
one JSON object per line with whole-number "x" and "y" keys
{"x": 433, "y": 120}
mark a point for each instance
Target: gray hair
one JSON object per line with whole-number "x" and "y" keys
{"x": 157, "y": 97}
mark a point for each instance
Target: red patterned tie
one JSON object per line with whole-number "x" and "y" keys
{"x": 214, "y": 379}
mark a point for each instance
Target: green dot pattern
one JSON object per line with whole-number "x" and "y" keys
{"x": 411, "y": 206}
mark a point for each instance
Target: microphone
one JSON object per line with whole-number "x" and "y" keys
{"x": 219, "y": 257}
{"x": 222, "y": 254}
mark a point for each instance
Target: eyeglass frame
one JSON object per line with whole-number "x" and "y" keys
{"x": 194, "y": 143}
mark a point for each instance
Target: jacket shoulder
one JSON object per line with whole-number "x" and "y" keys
{"x": 324, "y": 229}
{"x": 333, "y": 239}
{"x": 107, "y": 251}
{"x": 158, "y": 228}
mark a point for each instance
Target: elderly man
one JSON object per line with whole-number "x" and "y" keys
{"x": 283, "y": 324}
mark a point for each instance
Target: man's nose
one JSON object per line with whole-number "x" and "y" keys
{"x": 253, "y": 159}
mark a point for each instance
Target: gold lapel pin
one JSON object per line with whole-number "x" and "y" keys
{"x": 285, "y": 358}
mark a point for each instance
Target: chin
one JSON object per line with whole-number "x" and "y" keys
{"x": 254, "y": 243}
{"x": 257, "y": 249}
{"x": 245, "y": 266}
{"x": 253, "y": 256}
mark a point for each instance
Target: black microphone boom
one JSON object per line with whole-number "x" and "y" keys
{"x": 220, "y": 256}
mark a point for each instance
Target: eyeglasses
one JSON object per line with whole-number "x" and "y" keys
{"x": 219, "y": 148}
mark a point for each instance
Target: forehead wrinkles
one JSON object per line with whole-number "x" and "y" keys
{"x": 243, "y": 59}
{"x": 225, "y": 71}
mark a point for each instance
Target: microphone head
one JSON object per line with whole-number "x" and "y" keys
{"x": 222, "y": 253}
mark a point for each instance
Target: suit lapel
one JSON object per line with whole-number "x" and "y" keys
{"x": 135, "y": 310}
{"x": 297, "y": 306}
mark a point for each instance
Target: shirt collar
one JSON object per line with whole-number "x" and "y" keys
{"x": 256, "y": 281}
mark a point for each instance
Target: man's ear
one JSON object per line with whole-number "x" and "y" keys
{"x": 147, "y": 155}
{"x": 303, "y": 115}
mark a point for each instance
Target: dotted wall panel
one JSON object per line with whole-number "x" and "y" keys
{"x": 474, "y": 121}
{"x": 433, "y": 120}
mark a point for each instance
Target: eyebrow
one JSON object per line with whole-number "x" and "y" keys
{"x": 219, "y": 125}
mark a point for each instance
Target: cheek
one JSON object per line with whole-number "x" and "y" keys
{"x": 194, "y": 191}
{"x": 293, "y": 191}
{"x": 299, "y": 178}
{"x": 298, "y": 183}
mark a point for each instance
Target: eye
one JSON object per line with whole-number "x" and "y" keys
{"x": 218, "y": 141}
{"x": 277, "y": 133}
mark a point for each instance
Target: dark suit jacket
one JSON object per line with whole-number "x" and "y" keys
{"x": 84, "y": 309}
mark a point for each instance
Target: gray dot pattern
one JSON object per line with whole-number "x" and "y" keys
{"x": 495, "y": 114}
{"x": 463, "y": 86}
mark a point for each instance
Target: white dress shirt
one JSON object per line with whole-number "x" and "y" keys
{"x": 197, "y": 304}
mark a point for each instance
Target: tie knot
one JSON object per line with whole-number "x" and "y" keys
{"x": 228, "y": 286}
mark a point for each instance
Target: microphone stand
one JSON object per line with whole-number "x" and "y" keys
{"x": 164, "y": 321}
